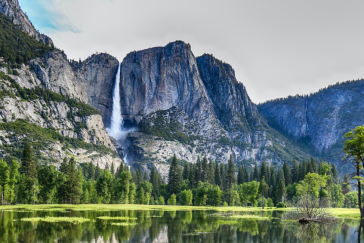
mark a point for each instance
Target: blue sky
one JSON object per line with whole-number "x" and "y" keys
{"x": 277, "y": 48}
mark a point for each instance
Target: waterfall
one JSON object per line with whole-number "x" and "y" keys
{"x": 116, "y": 129}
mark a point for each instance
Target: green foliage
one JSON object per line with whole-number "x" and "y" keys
{"x": 172, "y": 200}
{"x": 281, "y": 205}
{"x": 311, "y": 184}
{"x": 4, "y": 179}
{"x": 17, "y": 46}
{"x": 161, "y": 200}
{"x": 164, "y": 124}
{"x": 186, "y": 197}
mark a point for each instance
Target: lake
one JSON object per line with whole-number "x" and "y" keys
{"x": 159, "y": 226}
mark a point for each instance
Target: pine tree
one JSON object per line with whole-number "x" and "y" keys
{"x": 191, "y": 176}
{"x": 240, "y": 175}
{"x": 155, "y": 182}
{"x": 281, "y": 191}
{"x": 28, "y": 162}
{"x": 186, "y": 171}
{"x": 139, "y": 176}
{"x": 4, "y": 179}
{"x": 295, "y": 171}
{"x": 246, "y": 175}
{"x": 263, "y": 188}
{"x": 211, "y": 173}
{"x": 256, "y": 172}
{"x": 204, "y": 172}
{"x": 13, "y": 179}
{"x": 91, "y": 171}
{"x": 97, "y": 171}
{"x": 301, "y": 172}
{"x": 314, "y": 165}
{"x": 230, "y": 174}
{"x": 112, "y": 170}
{"x": 174, "y": 180}
{"x": 335, "y": 176}
{"x": 198, "y": 172}
{"x": 73, "y": 182}
{"x": 217, "y": 174}
{"x": 287, "y": 173}
{"x": 263, "y": 171}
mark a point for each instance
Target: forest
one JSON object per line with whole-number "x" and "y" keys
{"x": 202, "y": 183}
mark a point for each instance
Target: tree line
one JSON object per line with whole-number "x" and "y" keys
{"x": 202, "y": 183}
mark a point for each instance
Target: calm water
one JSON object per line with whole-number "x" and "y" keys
{"x": 170, "y": 226}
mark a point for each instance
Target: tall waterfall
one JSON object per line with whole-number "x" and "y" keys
{"x": 116, "y": 129}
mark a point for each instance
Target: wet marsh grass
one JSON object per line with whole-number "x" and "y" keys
{"x": 336, "y": 212}
{"x": 73, "y": 220}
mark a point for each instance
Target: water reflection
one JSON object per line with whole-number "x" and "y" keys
{"x": 172, "y": 226}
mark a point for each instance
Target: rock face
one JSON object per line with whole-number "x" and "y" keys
{"x": 12, "y": 9}
{"x": 320, "y": 119}
{"x": 193, "y": 107}
{"x": 55, "y": 73}
{"x": 96, "y": 76}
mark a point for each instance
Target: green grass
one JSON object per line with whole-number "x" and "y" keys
{"x": 116, "y": 218}
{"x": 336, "y": 212}
{"x": 56, "y": 220}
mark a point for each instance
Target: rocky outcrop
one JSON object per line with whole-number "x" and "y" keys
{"x": 96, "y": 77}
{"x": 56, "y": 74}
{"x": 159, "y": 79}
{"x": 193, "y": 107}
{"x": 11, "y": 8}
{"x": 320, "y": 119}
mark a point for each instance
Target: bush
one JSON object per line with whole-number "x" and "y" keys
{"x": 226, "y": 204}
{"x": 161, "y": 200}
{"x": 172, "y": 200}
{"x": 281, "y": 205}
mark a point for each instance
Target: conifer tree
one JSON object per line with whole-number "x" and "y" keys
{"x": 198, "y": 173}
{"x": 91, "y": 171}
{"x": 263, "y": 188}
{"x": 240, "y": 175}
{"x": 73, "y": 183}
{"x": 211, "y": 173}
{"x": 97, "y": 171}
{"x": 139, "y": 176}
{"x": 256, "y": 172}
{"x": 191, "y": 176}
{"x": 204, "y": 172}
{"x": 314, "y": 165}
{"x": 246, "y": 175}
{"x": 294, "y": 171}
{"x": 263, "y": 171}
{"x": 4, "y": 179}
{"x": 287, "y": 173}
{"x": 217, "y": 174}
{"x": 334, "y": 175}
{"x": 13, "y": 179}
{"x": 186, "y": 171}
{"x": 28, "y": 162}
{"x": 174, "y": 180}
{"x": 281, "y": 191}
{"x": 230, "y": 174}
{"x": 112, "y": 169}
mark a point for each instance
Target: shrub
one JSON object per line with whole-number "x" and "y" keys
{"x": 172, "y": 200}
{"x": 281, "y": 205}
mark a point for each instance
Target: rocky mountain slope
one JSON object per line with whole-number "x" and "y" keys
{"x": 45, "y": 100}
{"x": 319, "y": 120}
{"x": 193, "y": 106}
{"x": 11, "y": 8}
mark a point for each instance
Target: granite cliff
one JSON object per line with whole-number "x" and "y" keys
{"x": 193, "y": 106}
{"x": 320, "y": 120}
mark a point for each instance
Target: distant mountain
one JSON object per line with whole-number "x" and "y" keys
{"x": 320, "y": 120}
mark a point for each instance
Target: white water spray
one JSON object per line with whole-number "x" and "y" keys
{"x": 116, "y": 129}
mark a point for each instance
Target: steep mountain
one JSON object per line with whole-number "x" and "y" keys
{"x": 44, "y": 100}
{"x": 11, "y": 9}
{"x": 320, "y": 120}
{"x": 193, "y": 106}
